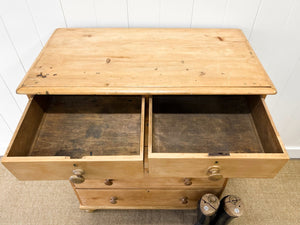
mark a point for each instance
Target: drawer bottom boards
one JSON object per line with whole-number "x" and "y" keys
{"x": 92, "y": 199}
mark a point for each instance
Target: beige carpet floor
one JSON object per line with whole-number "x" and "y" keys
{"x": 267, "y": 202}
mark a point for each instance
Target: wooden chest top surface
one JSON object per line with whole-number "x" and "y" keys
{"x": 147, "y": 62}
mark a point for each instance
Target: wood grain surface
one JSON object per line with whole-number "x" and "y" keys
{"x": 265, "y": 163}
{"x": 147, "y": 61}
{"x": 203, "y": 124}
{"x": 152, "y": 182}
{"x": 142, "y": 198}
{"x": 79, "y": 126}
{"x": 51, "y": 163}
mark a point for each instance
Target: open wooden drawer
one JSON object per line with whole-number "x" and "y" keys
{"x": 102, "y": 136}
{"x": 214, "y": 136}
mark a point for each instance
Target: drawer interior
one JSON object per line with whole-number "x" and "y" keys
{"x": 212, "y": 124}
{"x": 78, "y": 126}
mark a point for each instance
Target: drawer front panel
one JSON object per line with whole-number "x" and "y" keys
{"x": 152, "y": 182}
{"x": 101, "y": 135}
{"x": 214, "y": 137}
{"x": 41, "y": 169}
{"x": 141, "y": 199}
{"x": 230, "y": 167}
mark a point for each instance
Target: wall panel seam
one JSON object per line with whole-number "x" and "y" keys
{"x": 192, "y": 13}
{"x": 225, "y": 12}
{"x": 1, "y": 78}
{"x": 12, "y": 43}
{"x": 63, "y": 12}
{"x": 127, "y": 13}
{"x": 34, "y": 23}
{"x": 6, "y": 123}
{"x": 254, "y": 21}
{"x": 95, "y": 11}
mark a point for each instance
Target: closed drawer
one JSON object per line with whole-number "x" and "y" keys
{"x": 141, "y": 199}
{"x": 101, "y": 135}
{"x": 152, "y": 182}
{"x": 213, "y": 136}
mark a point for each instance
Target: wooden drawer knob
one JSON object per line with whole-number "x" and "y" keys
{"x": 113, "y": 200}
{"x": 77, "y": 177}
{"x": 108, "y": 182}
{"x": 187, "y": 181}
{"x": 184, "y": 200}
{"x": 214, "y": 174}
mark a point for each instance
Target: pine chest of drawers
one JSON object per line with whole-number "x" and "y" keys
{"x": 145, "y": 118}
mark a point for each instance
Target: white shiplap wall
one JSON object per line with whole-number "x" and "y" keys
{"x": 272, "y": 27}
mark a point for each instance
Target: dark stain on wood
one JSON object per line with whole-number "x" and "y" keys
{"x": 187, "y": 69}
{"x": 202, "y": 73}
{"x": 156, "y": 68}
{"x": 108, "y": 60}
{"x": 74, "y": 154}
{"x": 218, "y": 154}
{"x": 47, "y": 92}
{"x": 97, "y": 72}
{"x": 203, "y": 124}
{"x": 75, "y": 126}
{"x": 93, "y": 132}
{"x": 55, "y": 74}
{"x": 41, "y": 75}
{"x": 220, "y": 38}
{"x": 182, "y": 61}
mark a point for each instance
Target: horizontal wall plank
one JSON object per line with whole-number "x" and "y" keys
{"x": 9, "y": 108}
{"x": 271, "y": 18}
{"x": 287, "y": 110}
{"x": 271, "y": 26}
{"x": 11, "y": 68}
{"x": 283, "y": 61}
{"x": 48, "y": 16}
{"x": 241, "y": 14}
{"x": 208, "y": 14}
{"x": 111, "y": 13}
{"x": 176, "y": 13}
{"x": 21, "y": 29}
{"x": 5, "y": 135}
{"x": 143, "y": 13}
{"x": 79, "y": 13}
